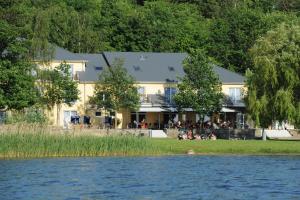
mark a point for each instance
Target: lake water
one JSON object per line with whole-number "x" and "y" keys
{"x": 171, "y": 177}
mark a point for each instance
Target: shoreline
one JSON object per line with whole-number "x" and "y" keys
{"x": 145, "y": 155}
{"x": 30, "y": 146}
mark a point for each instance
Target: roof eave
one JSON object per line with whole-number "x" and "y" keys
{"x": 233, "y": 83}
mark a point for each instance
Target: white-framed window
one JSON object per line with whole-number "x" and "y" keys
{"x": 141, "y": 92}
{"x": 70, "y": 116}
{"x": 71, "y": 71}
{"x": 235, "y": 94}
{"x": 169, "y": 93}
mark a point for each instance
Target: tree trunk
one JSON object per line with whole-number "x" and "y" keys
{"x": 58, "y": 106}
{"x": 201, "y": 121}
{"x": 264, "y": 135}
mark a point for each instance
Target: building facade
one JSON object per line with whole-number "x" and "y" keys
{"x": 156, "y": 75}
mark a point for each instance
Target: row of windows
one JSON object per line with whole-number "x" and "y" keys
{"x": 168, "y": 93}
{"x": 235, "y": 94}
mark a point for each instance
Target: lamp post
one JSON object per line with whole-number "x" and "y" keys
{"x": 103, "y": 99}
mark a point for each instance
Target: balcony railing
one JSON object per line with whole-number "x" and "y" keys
{"x": 155, "y": 99}
{"x": 230, "y": 101}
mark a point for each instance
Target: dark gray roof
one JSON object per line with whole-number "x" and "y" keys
{"x": 94, "y": 66}
{"x": 228, "y": 77}
{"x": 143, "y": 66}
{"x": 63, "y": 54}
{"x": 150, "y": 67}
{"x": 57, "y": 54}
{"x": 163, "y": 67}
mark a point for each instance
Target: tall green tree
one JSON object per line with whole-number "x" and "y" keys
{"x": 173, "y": 28}
{"x": 288, "y": 5}
{"x": 116, "y": 90}
{"x": 235, "y": 33}
{"x": 274, "y": 83}
{"x": 200, "y": 88}
{"x": 57, "y": 87}
{"x": 17, "y": 90}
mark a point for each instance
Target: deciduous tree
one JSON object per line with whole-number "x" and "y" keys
{"x": 57, "y": 87}
{"x": 274, "y": 83}
{"x": 200, "y": 88}
{"x": 116, "y": 90}
{"x": 17, "y": 89}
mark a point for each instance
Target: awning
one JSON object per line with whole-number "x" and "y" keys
{"x": 227, "y": 110}
{"x": 159, "y": 109}
{"x": 151, "y": 109}
{"x": 188, "y": 109}
{"x": 172, "y": 109}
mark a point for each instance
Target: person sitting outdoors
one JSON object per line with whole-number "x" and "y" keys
{"x": 178, "y": 125}
{"x": 212, "y": 136}
{"x": 143, "y": 123}
{"x": 190, "y": 135}
{"x": 135, "y": 124}
{"x": 182, "y": 136}
{"x": 198, "y": 137}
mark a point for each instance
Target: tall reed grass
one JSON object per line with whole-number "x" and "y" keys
{"x": 49, "y": 145}
{"x": 40, "y": 144}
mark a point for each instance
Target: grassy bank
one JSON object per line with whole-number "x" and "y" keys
{"x": 45, "y": 145}
{"x": 252, "y": 147}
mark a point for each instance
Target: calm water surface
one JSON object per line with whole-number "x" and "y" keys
{"x": 174, "y": 177}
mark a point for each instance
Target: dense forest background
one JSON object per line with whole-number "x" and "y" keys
{"x": 225, "y": 29}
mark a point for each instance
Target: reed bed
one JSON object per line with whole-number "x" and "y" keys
{"x": 65, "y": 145}
{"x": 20, "y": 145}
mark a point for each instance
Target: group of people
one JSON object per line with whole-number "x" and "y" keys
{"x": 188, "y": 135}
{"x": 135, "y": 124}
{"x": 208, "y": 124}
{"x": 193, "y": 131}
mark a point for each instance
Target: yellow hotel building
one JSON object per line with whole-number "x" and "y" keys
{"x": 156, "y": 75}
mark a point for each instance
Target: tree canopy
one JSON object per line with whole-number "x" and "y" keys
{"x": 225, "y": 29}
{"x": 274, "y": 83}
{"x": 200, "y": 88}
{"x": 17, "y": 89}
{"x": 116, "y": 89}
{"x": 57, "y": 86}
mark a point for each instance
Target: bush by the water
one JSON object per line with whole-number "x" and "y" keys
{"x": 30, "y": 115}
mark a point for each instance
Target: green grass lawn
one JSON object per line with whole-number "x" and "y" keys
{"x": 45, "y": 145}
{"x": 253, "y": 147}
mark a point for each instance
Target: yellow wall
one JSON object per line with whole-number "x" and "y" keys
{"x": 87, "y": 90}
{"x": 225, "y": 87}
{"x": 155, "y": 88}
{"x": 77, "y": 65}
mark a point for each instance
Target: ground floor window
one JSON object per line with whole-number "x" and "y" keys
{"x": 70, "y": 116}
{"x": 97, "y": 114}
